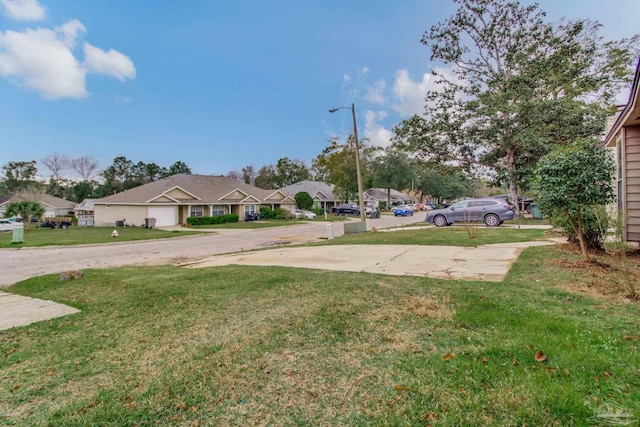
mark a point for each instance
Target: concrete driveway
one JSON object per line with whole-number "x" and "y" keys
{"x": 487, "y": 263}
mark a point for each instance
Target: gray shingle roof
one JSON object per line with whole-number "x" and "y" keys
{"x": 206, "y": 189}
{"x": 318, "y": 190}
{"x": 53, "y": 201}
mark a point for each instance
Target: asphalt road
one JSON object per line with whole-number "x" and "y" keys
{"x": 21, "y": 264}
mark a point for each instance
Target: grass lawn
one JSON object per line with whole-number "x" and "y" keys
{"x": 451, "y": 236}
{"x": 265, "y": 223}
{"x": 276, "y": 346}
{"x": 36, "y": 236}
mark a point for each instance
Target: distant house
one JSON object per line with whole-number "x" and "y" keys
{"x": 322, "y": 193}
{"x": 373, "y": 197}
{"x": 624, "y": 136}
{"x": 53, "y": 206}
{"x": 171, "y": 200}
{"x": 84, "y": 212}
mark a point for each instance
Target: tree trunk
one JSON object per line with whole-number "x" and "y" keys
{"x": 388, "y": 198}
{"x": 511, "y": 174}
{"x": 583, "y": 245}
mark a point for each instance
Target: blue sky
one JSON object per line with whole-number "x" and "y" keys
{"x": 220, "y": 85}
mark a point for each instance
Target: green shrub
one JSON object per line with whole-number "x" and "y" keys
{"x": 267, "y": 213}
{"x": 318, "y": 211}
{"x": 209, "y": 220}
{"x": 595, "y": 225}
{"x": 303, "y": 200}
{"x": 281, "y": 213}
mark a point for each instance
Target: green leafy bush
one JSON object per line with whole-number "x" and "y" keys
{"x": 267, "y": 213}
{"x": 209, "y": 220}
{"x": 304, "y": 200}
{"x": 281, "y": 213}
{"x": 277, "y": 213}
{"x": 595, "y": 223}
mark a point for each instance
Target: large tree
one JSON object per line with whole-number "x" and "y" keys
{"x": 337, "y": 165}
{"x": 441, "y": 182}
{"x": 513, "y": 86}
{"x": 178, "y": 167}
{"x": 392, "y": 169}
{"x": 86, "y": 167}
{"x": 57, "y": 164}
{"x": 266, "y": 178}
{"x": 290, "y": 171}
{"x": 18, "y": 177}
{"x": 248, "y": 174}
{"x": 573, "y": 178}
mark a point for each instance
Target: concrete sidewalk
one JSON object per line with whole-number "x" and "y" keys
{"x": 17, "y": 310}
{"x": 487, "y": 263}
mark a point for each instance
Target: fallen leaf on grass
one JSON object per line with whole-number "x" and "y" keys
{"x": 485, "y": 360}
{"x": 463, "y": 391}
{"x": 400, "y": 388}
{"x": 515, "y": 361}
{"x": 448, "y": 356}
{"x": 540, "y": 356}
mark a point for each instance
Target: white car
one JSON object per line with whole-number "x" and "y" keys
{"x": 6, "y": 225}
{"x": 303, "y": 213}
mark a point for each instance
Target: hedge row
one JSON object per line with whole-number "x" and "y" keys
{"x": 207, "y": 220}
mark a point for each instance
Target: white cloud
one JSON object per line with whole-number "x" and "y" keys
{"x": 111, "y": 63}
{"x": 346, "y": 78}
{"x": 374, "y": 131}
{"x": 375, "y": 93}
{"x": 23, "y": 10}
{"x": 409, "y": 94}
{"x": 364, "y": 71}
{"x": 42, "y": 59}
{"x": 69, "y": 32}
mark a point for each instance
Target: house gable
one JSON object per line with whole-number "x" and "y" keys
{"x": 250, "y": 200}
{"x": 276, "y": 197}
{"x": 235, "y": 195}
{"x": 320, "y": 196}
{"x": 163, "y": 198}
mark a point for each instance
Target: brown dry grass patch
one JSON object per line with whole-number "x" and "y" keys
{"x": 601, "y": 278}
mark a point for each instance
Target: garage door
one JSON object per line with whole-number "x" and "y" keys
{"x": 165, "y": 215}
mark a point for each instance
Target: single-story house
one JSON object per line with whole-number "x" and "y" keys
{"x": 322, "y": 193}
{"x": 53, "y": 206}
{"x": 624, "y": 136}
{"x": 171, "y": 200}
{"x": 84, "y": 212}
{"x": 373, "y": 197}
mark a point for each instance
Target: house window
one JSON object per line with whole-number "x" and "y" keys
{"x": 217, "y": 210}
{"x": 249, "y": 209}
{"x": 197, "y": 211}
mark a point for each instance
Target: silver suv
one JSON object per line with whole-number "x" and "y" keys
{"x": 488, "y": 210}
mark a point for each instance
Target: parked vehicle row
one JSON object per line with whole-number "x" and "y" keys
{"x": 8, "y": 224}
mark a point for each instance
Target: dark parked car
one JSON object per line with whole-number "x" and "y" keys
{"x": 347, "y": 209}
{"x": 527, "y": 201}
{"x": 56, "y": 222}
{"x": 491, "y": 211}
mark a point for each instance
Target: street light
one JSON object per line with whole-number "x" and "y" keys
{"x": 358, "y": 173}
